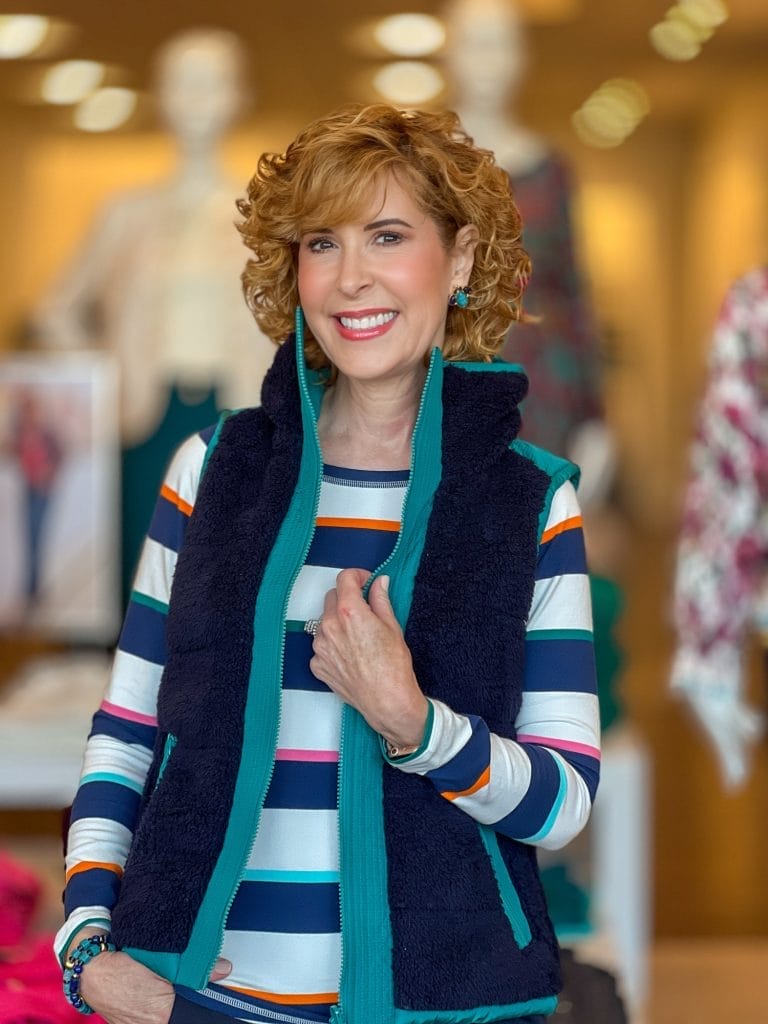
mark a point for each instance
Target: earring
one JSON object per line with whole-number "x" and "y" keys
{"x": 460, "y": 297}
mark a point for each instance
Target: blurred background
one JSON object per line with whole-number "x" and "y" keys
{"x": 654, "y": 118}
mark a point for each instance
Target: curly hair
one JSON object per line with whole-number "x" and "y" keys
{"x": 325, "y": 178}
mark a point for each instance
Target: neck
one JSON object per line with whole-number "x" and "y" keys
{"x": 365, "y": 426}
{"x": 198, "y": 168}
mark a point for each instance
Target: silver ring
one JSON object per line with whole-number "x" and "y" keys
{"x": 311, "y": 626}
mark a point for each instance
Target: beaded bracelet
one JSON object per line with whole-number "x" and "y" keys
{"x": 82, "y": 954}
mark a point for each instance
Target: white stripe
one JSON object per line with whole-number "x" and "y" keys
{"x": 565, "y": 505}
{"x": 134, "y": 684}
{"x": 283, "y": 962}
{"x": 296, "y": 840}
{"x": 561, "y": 602}
{"x": 561, "y": 715}
{"x": 510, "y": 778}
{"x": 310, "y": 720}
{"x": 106, "y": 754}
{"x": 97, "y": 839}
{"x": 312, "y": 584}
{"x": 156, "y": 568}
{"x": 183, "y": 474}
{"x": 340, "y": 501}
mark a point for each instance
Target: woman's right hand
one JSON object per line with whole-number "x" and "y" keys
{"x": 123, "y": 991}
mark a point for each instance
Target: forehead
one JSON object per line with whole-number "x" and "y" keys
{"x": 388, "y": 194}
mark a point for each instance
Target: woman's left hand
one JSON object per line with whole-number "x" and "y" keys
{"x": 360, "y": 653}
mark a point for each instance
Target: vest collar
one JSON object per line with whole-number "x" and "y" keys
{"x": 480, "y": 400}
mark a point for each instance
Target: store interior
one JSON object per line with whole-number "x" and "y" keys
{"x": 667, "y": 212}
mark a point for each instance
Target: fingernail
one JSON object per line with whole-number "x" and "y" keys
{"x": 384, "y": 583}
{"x": 222, "y": 964}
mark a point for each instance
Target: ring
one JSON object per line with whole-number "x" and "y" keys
{"x": 311, "y": 626}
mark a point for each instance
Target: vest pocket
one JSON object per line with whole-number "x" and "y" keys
{"x": 170, "y": 743}
{"x": 510, "y": 900}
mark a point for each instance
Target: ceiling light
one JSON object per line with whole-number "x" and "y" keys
{"x": 410, "y": 35}
{"x": 71, "y": 81}
{"x": 105, "y": 110}
{"x": 408, "y": 82}
{"x": 709, "y": 13}
{"x": 21, "y": 34}
{"x": 611, "y": 113}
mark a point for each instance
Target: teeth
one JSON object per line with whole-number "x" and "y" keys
{"x": 365, "y": 323}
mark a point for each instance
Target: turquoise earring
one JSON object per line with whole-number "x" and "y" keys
{"x": 459, "y": 297}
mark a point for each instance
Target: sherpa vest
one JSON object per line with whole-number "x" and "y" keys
{"x": 442, "y": 919}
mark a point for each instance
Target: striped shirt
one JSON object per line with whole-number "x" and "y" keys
{"x": 283, "y": 930}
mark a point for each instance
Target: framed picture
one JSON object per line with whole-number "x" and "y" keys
{"x": 59, "y": 496}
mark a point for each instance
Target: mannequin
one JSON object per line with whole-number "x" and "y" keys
{"x": 721, "y": 581}
{"x": 486, "y": 59}
{"x": 157, "y": 281}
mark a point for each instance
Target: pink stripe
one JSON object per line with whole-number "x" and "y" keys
{"x": 130, "y": 716}
{"x": 287, "y": 754}
{"x": 549, "y": 741}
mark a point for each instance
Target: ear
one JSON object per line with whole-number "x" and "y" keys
{"x": 464, "y": 247}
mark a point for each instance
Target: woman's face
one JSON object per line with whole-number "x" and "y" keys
{"x": 375, "y": 290}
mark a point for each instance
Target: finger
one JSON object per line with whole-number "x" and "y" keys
{"x": 378, "y": 600}
{"x": 350, "y": 583}
{"x": 221, "y": 969}
{"x": 330, "y": 603}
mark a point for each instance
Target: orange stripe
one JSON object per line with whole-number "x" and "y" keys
{"x": 484, "y": 779}
{"x": 173, "y": 497}
{"x": 277, "y": 997}
{"x": 87, "y": 865}
{"x": 360, "y": 524}
{"x": 567, "y": 524}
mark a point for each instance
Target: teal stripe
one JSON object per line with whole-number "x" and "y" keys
{"x": 546, "y": 828}
{"x": 120, "y": 780}
{"x": 294, "y": 625}
{"x": 309, "y": 877}
{"x": 559, "y": 634}
{"x": 479, "y": 1014}
{"x": 497, "y": 366}
{"x": 149, "y": 602}
{"x": 510, "y": 899}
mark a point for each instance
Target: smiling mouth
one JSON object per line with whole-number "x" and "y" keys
{"x": 365, "y": 323}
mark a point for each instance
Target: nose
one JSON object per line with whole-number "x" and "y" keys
{"x": 354, "y": 272}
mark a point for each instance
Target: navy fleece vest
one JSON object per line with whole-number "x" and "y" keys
{"x": 453, "y": 886}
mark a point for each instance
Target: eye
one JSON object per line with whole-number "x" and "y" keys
{"x": 388, "y": 238}
{"x": 320, "y": 243}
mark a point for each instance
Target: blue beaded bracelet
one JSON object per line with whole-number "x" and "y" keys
{"x": 82, "y": 954}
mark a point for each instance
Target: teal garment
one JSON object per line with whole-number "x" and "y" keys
{"x": 607, "y": 608}
{"x": 143, "y": 468}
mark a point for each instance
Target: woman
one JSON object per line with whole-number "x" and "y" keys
{"x": 378, "y": 690}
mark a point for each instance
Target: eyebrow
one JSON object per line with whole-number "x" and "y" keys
{"x": 373, "y": 226}
{"x": 385, "y": 223}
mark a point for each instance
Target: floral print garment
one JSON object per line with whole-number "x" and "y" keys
{"x": 721, "y": 580}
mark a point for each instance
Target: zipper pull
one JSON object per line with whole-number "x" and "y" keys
{"x": 337, "y": 1014}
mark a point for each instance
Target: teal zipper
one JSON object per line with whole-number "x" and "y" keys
{"x": 264, "y": 702}
{"x": 170, "y": 743}
{"x": 366, "y": 991}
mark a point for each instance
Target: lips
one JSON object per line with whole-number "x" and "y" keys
{"x": 365, "y": 324}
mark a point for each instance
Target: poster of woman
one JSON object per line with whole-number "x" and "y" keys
{"x": 58, "y": 496}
